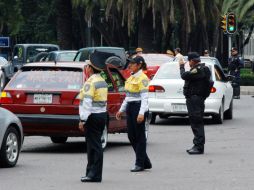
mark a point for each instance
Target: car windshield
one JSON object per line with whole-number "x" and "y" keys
{"x": 156, "y": 59}
{"x": 48, "y": 78}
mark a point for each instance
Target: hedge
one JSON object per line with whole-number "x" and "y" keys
{"x": 247, "y": 77}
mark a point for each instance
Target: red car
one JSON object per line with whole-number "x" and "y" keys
{"x": 44, "y": 97}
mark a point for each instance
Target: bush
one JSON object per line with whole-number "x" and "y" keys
{"x": 247, "y": 77}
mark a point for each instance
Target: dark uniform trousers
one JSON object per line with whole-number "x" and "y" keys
{"x": 136, "y": 134}
{"x": 195, "y": 105}
{"x": 94, "y": 128}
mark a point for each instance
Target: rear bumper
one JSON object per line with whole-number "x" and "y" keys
{"x": 164, "y": 106}
{"x": 47, "y": 125}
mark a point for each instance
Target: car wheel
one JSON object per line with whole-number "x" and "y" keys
{"x": 59, "y": 139}
{"x": 2, "y": 81}
{"x": 153, "y": 118}
{"x": 104, "y": 137}
{"x": 10, "y": 149}
{"x": 218, "y": 118}
{"x": 229, "y": 113}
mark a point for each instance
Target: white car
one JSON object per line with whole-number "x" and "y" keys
{"x": 166, "y": 92}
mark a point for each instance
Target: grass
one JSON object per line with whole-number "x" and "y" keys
{"x": 247, "y": 77}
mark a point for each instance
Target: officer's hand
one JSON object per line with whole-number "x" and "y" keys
{"x": 140, "y": 118}
{"x": 81, "y": 127}
{"x": 181, "y": 61}
{"x": 119, "y": 115}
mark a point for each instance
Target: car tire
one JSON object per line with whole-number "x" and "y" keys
{"x": 59, "y": 139}
{"x": 10, "y": 149}
{"x": 229, "y": 113}
{"x": 153, "y": 118}
{"x": 218, "y": 118}
{"x": 2, "y": 81}
{"x": 104, "y": 137}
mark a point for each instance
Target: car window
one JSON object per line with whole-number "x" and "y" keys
{"x": 32, "y": 51}
{"x": 106, "y": 77}
{"x": 66, "y": 56}
{"x": 219, "y": 76}
{"x": 118, "y": 79}
{"x": 48, "y": 78}
{"x": 156, "y": 59}
{"x": 170, "y": 71}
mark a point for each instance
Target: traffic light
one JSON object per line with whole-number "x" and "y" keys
{"x": 224, "y": 23}
{"x": 231, "y": 23}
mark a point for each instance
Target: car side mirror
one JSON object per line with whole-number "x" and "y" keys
{"x": 225, "y": 70}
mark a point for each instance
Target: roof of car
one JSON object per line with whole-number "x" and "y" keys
{"x": 25, "y": 45}
{"x": 64, "y": 51}
{"x": 57, "y": 64}
{"x": 93, "y": 48}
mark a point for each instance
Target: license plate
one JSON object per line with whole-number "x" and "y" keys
{"x": 42, "y": 98}
{"x": 179, "y": 108}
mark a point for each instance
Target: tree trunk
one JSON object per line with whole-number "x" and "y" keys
{"x": 64, "y": 23}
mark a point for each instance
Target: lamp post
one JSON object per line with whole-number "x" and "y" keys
{"x": 102, "y": 14}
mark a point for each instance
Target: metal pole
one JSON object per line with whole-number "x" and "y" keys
{"x": 229, "y": 45}
{"x": 89, "y": 25}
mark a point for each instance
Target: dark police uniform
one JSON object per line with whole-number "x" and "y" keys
{"x": 135, "y": 103}
{"x": 92, "y": 111}
{"x": 235, "y": 63}
{"x": 194, "y": 92}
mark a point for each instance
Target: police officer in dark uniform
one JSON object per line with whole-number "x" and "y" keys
{"x": 135, "y": 105}
{"x": 195, "y": 83}
{"x": 235, "y": 63}
{"x": 92, "y": 111}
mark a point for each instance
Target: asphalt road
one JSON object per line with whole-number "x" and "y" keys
{"x": 226, "y": 165}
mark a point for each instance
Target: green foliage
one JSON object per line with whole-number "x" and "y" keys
{"x": 247, "y": 77}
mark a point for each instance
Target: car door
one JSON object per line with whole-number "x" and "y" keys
{"x": 116, "y": 98}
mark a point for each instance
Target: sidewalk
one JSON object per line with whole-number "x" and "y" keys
{"x": 247, "y": 90}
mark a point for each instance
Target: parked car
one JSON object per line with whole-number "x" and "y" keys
{"x": 166, "y": 93}
{"x": 11, "y": 138}
{"x": 63, "y": 55}
{"x": 44, "y": 96}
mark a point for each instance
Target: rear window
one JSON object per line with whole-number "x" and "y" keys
{"x": 170, "y": 71}
{"x": 67, "y": 56}
{"x": 156, "y": 59}
{"x": 48, "y": 79}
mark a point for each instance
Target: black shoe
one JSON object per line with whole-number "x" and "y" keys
{"x": 137, "y": 169}
{"x": 88, "y": 179}
{"x": 148, "y": 166}
{"x": 195, "y": 150}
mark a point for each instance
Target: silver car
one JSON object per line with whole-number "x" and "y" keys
{"x": 11, "y": 138}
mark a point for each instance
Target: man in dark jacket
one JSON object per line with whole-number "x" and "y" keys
{"x": 195, "y": 94}
{"x": 235, "y": 63}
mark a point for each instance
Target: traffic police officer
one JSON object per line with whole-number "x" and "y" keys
{"x": 92, "y": 111}
{"x": 195, "y": 83}
{"x": 235, "y": 63}
{"x": 136, "y": 106}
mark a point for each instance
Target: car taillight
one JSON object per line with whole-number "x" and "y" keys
{"x": 76, "y": 101}
{"x": 155, "y": 88}
{"x": 5, "y": 98}
{"x": 213, "y": 90}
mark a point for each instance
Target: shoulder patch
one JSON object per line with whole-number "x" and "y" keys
{"x": 145, "y": 83}
{"x": 87, "y": 87}
{"x": 193, "y": 71}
